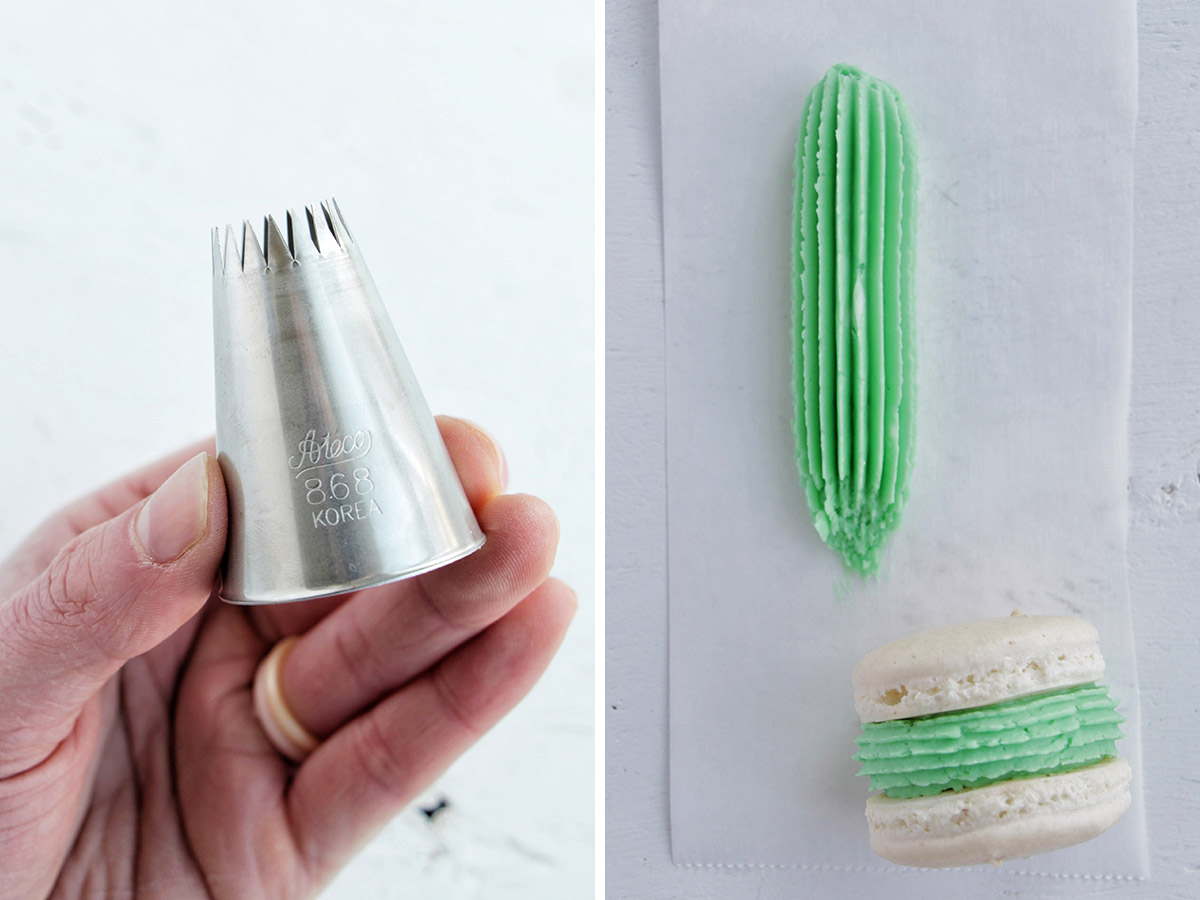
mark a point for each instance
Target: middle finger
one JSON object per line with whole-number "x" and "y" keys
{"x": 479, "y": 464}
{"x": 382, "y": 637}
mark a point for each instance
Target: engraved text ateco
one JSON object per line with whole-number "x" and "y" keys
{"x": 316, "y": 453}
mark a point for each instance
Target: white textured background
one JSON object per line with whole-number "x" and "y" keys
{"x": 458, "y": 138}
{"x": 1164, "y": 490}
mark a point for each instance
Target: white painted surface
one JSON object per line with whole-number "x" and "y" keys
{"x": 458, "y": 139}
{"x": 1164, "y": 491}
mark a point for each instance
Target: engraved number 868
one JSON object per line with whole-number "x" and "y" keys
{"x": 338, "y": 487}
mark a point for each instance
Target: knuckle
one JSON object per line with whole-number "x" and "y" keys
{"x": 455, "y": 617}
{"x": 452, "y": 704}
{"x": 73, "y": 595}
{"x": 357, "y": 655}
{"x": 382, "y": 761}
{"x": 69, "y": 581}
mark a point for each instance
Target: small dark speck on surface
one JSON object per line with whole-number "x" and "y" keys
{"x": 432, "y": 812}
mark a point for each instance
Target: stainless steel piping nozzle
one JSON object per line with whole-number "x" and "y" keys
{"x": 336, "y": 473}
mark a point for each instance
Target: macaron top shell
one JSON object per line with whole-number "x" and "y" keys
{"x": 975, "y": 664}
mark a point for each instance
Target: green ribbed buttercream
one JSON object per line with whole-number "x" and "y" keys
{"x": 853, "y": 237}
{"x": 1041, "y": 734}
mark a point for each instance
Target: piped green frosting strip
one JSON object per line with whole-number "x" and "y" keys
{"x": 844, "y": 182}
{"x": 823, "y": 259}
{"x": 805, "y": 325}
{"x": 853, "y": 243}
{"x": 1040, "y": 734}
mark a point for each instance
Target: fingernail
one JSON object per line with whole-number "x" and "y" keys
{"x": 501, "y": 458}
{"x": 176, "y": 515}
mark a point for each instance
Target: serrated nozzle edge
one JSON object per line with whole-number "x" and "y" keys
{"x": 318, "y": 232}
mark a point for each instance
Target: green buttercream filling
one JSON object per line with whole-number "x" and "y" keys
{"x": 1036, "y": 735}
{"x": 853, "y": 243}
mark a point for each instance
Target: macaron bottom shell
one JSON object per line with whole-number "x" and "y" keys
{"x": 1002, "y": 821}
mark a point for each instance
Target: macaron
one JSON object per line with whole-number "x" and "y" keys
{"x": 988, "y": 741}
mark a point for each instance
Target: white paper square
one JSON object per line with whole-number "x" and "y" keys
{"x": 1025, "y": 116}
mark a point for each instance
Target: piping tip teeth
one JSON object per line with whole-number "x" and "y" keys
{"x": 279, "y": 254}
{"x": 301, "y": 240}
{"x": 306, "y": 236}
{"x": 252, "y": 255}
{"x": 337, "y": 220}
{"x": 233, "y": 252}
{"x": 218, "y": 260}
{"x": 321, "y": 230}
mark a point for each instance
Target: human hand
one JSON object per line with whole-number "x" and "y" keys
{"x": 131, "y": 761}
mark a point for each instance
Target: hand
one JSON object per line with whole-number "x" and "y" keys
{"x": 131, "y": 762}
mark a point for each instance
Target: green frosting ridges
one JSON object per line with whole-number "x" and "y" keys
{"x": 852, "y": 329}
{"x": 1040, "y": 734}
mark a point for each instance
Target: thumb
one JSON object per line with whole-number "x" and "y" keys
{"x": 112, "y": 593}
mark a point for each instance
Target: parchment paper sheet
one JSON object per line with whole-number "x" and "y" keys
{"x": 1025, "y": 117}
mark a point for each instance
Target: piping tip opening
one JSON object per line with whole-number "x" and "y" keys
{"x": 319, "y": 232}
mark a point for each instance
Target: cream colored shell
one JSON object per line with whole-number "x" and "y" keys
{"x": 1007, "y": 820}
{"x": 974, "y": 664}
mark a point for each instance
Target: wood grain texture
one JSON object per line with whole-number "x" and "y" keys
{"x": 1164, "y": 485}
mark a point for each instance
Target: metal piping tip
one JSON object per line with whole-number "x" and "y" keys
{"x": 336, "y": 474}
